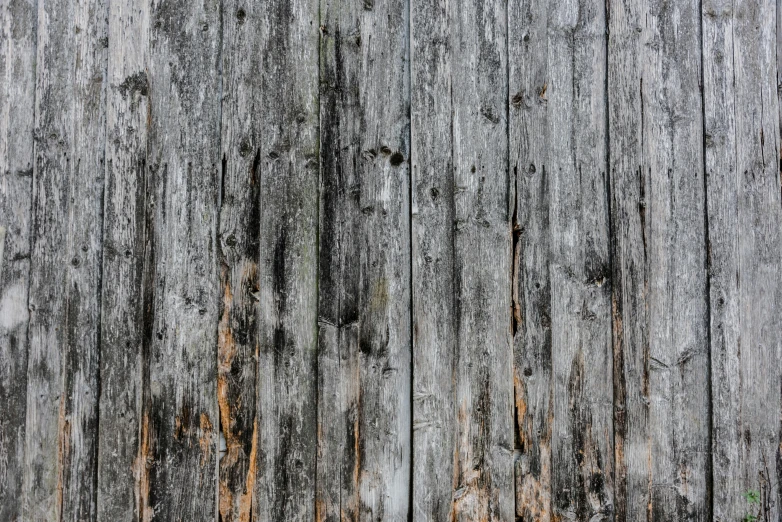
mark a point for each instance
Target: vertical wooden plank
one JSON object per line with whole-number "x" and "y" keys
{"x": 239, "y": 252}
{"x": 434, "y": 319}
{"x": 364, "y": 362}
{"x": 661, "y": 361}
{"x": 677, "y": 362}
{"x": 180, "y": 417}
{"x": 287, "y": 156}
{"x": 62, "y": 379}
{"x": 483, "y": 478}
{"x": 17, "y": 103}
{"x": 531, "y": 288}
{"x": 629, "y": 280}
{"x": 579, "y": 265}
{"x": 743, "y": 189}
{"x": 122, "y": 462}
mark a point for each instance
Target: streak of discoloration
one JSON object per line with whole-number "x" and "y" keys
{"x": 246, "y": 500}
{"x": 205, "y": 438}
{"x": 141, "y": 468}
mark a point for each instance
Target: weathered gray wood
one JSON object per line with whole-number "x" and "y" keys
{"x": 579, "y": 266}
{"x": 744, "y": 212}
{"x": 17, "y": 102}
{"x": 531, "y": 288}
{"x": 180, "y": 422}
{"x": 239, "y": 253}
{"x": 661, "y": 361}
{"x": 65, "y": 267}
{"x": 483, "y": 474}
{"x": 434, "y": 312}
{"x": 288, "y": 175}
{"x": 364, "y": 360}
{"x": 675, "y": 246}
{"x": 122, "y": 462}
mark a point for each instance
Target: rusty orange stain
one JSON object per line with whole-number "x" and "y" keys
{"x": 141, "y": 472}
{"x": 246, "y": 500}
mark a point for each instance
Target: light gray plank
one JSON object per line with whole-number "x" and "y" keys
{"x": 661, "y": 362}
{"x": 288, "y": 175}
{"x": 181, "y": 419}
{"x": 744, "y": 211}
{"x": 17, "y": 102}
{"x": 483, "y": 474}
{"x": 530, "y": 228}
{"x": 579, "y": 266}
{"x": 677, "y": 364}
{"x": 434, "y": 312}
{"x": 364, "y": 425}
{"x": 123, "y": 472}
{"x": 62, "y": 378}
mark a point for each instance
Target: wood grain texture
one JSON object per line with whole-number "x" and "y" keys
{"x": 364, "y": 360}
{"x": 661, "y": 350}
{"x": 239, "y": 253}
{"x": 180, "y": 420}
{"x": 413, "y": 260}
{"x": 17, "y": 103}
{"x": 288, "y": 162}
{"x": 579, "y": 265}
{"x": 743, "y": 189}
{"x": 433, "y": 217}
{"x": 65, "y": 267}
{"x": 483, "y": 474}
{"x": 122, "y": 462}
{"x": 531, "y": 286}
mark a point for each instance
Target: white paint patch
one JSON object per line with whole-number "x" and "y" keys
{"x": 13, "y": 307}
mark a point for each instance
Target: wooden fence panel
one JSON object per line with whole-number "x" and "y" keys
{"x": 407, "y": 260}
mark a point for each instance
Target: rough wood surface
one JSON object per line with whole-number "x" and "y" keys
{"x": 406, "y": 260}
{"x": 288, "y": 162}
{"x": 239, "y": 254}
{"x": 179, "y": 426}
{"x": 744, "y": 211}
{"x": 660, "y": 305}
{"x": 17, "y": 100}
{"x": 125, "y": 238}
{"x": 65, "y": 264}
{"x": 364, "y": 359}
{"x": 483, "y": 472}
{"x": 433, "y": 305}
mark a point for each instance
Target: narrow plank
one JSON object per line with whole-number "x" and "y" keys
{"x": 677, "y": 364}
{"x": 239, "y": 252}
{"x": 122, "y": 466}
{"x": 434, "y": 312}
{"x": 629, "y": 273}
{"x": 531, "y": 286}
{"x": 17, "y": 104}
{"x": 660, "y": 307}
{"x": 579, "y": 265}
{"x": 744, "y": 212}
{"x": 364, "y": 361}
{"x": 288, "y": 158}
{"x": 180, "y": 420}
{"x": 64, "y": 295}
{"x": 483, "y": 460}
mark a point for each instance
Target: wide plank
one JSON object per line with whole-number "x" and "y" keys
{"x": 18, "y": 33}
{"x": 65, "y": 265}
{"x": 180, "y": 420}
{"x": 364, "y": 359}
{"x": 745, "y": 266}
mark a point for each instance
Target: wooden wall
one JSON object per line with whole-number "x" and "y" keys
{"x": 442, "y": 260}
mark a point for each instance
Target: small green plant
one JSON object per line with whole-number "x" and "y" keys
{"x": 753, "y": 498}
